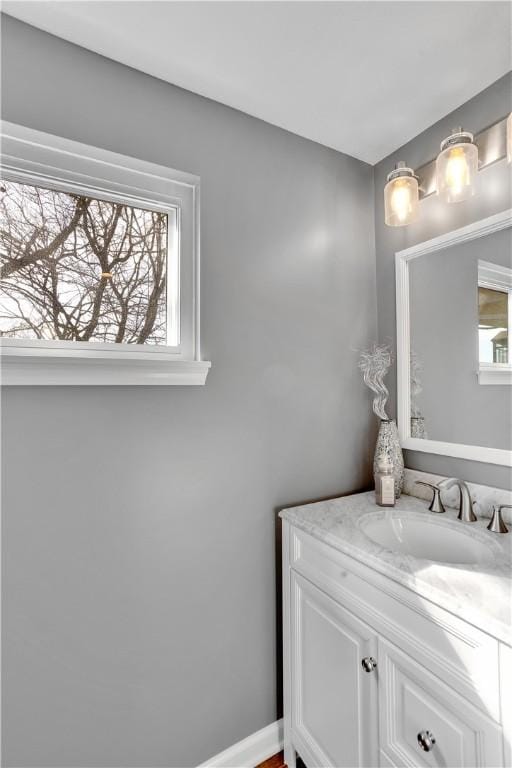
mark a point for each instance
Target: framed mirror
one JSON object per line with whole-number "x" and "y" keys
{"x": 454, "y": 362}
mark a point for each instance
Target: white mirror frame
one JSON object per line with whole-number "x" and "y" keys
{"x": 473, "y": 231}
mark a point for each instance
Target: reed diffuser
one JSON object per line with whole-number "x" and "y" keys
{"x": 375, "y": 364}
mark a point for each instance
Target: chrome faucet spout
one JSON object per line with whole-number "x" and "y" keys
{"x": 466, "y": 511}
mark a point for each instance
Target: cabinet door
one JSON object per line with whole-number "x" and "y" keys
{"x": 334, "y": 700}
{"x": 423, "y": 722}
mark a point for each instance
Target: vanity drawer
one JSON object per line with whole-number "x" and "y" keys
{"x": 460, "y": 654}
{"x": 416, "y": 708}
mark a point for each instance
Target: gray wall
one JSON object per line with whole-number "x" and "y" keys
{"x": 444, "y": 334}
{"x": 139, "y": 523}
{"x": 435, "y": 219}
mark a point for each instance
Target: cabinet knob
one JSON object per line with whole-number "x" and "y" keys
{"x": 426, "y": 740}
{"x": 368, "y": 663}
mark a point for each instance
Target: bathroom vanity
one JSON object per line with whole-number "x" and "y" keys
{"x": 397, "y": 637}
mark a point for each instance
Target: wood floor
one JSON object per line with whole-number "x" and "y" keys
{"x": 277, "y": 761}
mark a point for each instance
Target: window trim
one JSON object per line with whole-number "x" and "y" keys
{"x": 37, "y": 158}
{"x": 497, "y": 278}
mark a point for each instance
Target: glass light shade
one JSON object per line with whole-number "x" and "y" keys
{"x": 401, "y": 197}
{"x": 509, "y": 138}
{"x": 457, "y": 167}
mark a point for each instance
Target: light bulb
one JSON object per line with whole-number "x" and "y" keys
{"x": 401, "y": 200}
{"x": 457, "y": 167}
{"x": 457, "y": 171}
{"x": 401, "y": 196}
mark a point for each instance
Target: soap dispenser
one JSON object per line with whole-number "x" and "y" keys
{"x": 384, "y": 482}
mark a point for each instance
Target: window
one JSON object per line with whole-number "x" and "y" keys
{"x": 494, "y": 323}
{"x": 99, "y": 266}
{"x": 76, "y": 268}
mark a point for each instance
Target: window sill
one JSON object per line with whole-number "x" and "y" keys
{"x": 31, "y": 368}
{"x": 495, "y": 374}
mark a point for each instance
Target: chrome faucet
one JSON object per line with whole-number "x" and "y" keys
{"x": 466, "y": 512}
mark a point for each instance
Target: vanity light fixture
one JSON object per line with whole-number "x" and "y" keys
{"x": 401, "y": 196}
{"x": 451, "y": 176}
{"x": 509, "y": 138}
{"x": 457, "y": 167}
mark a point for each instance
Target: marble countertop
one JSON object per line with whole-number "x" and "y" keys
{"x": 480, "y": 594}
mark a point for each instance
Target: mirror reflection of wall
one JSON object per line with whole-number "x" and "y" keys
{"x": 460, "y": 314}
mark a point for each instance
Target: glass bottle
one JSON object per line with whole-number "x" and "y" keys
{"x": 384, "y": 482}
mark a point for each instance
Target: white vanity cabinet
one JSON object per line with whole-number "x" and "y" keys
{"x": 410, "y": 698}
{"x": 375, "y": 675}
{"x": 335, "y": 707}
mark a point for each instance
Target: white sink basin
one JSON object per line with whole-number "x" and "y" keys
{"x": 440, "y": 541}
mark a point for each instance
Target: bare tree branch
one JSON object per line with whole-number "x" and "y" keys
{"x": 76, "y": 268}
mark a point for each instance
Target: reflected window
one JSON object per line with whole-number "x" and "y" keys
{"x": 494, "y": 315}
{"x": 493, "y": 322}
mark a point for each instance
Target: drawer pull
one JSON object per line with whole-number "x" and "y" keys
{"x": 368, "y": 663}
{"x": 426, "y": 740}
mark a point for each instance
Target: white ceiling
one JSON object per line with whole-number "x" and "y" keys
{"x": 361, "y": 77}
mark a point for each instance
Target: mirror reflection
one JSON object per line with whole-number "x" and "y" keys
{"x": 460, "y": 314}
{"x": 492, "y": 325}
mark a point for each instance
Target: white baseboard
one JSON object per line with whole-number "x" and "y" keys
{"x": 250, "y": 751}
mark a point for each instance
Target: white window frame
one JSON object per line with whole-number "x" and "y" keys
{"x": 497, "y": 278}
{"x": 32, "y": 157}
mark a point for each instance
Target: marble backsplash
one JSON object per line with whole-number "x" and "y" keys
{"x": 484, "y": 496}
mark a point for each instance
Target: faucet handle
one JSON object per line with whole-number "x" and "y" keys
{"x": 436, "y": 505}
{"x": 497, "y": 524}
